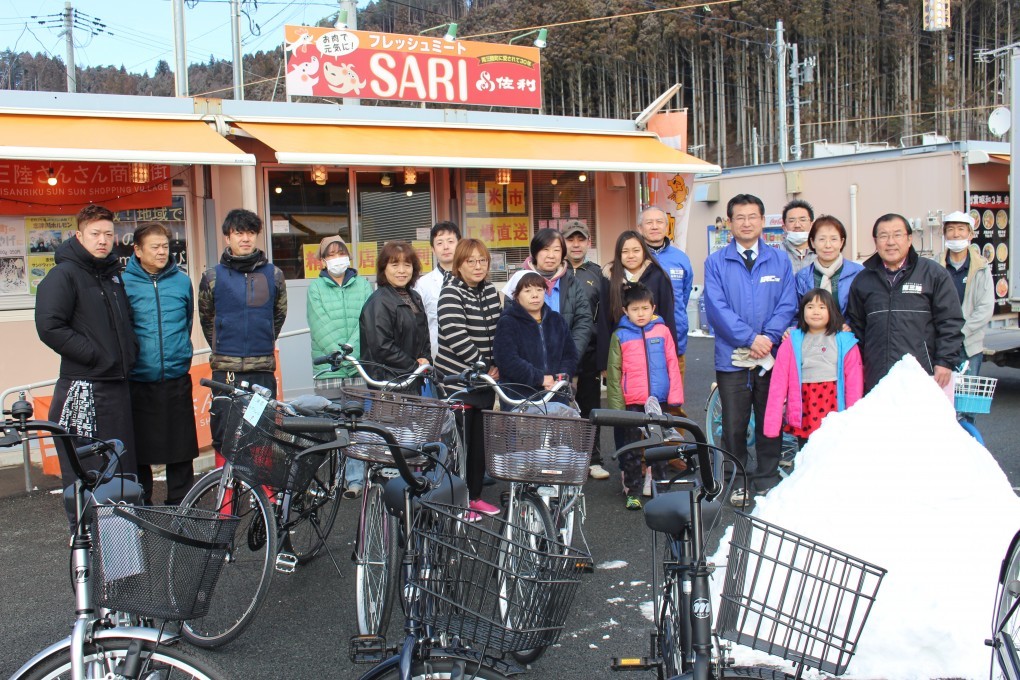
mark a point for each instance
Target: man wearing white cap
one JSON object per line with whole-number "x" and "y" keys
{"x": 972, "y": 278}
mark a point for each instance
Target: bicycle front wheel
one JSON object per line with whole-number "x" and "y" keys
{"x": 378, "y": 563}
{"x": 315, "y": 510}
{"x": 671, "y": 630}
{"x": 529, "y": 528}
{"x": 105, "y": 658}
{"x": 443, "y": 668}
{"x": 248, "y": 568}
{"x": 1007, "y": 618}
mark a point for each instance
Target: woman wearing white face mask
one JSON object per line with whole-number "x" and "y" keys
{"x": 334, "y": 307}
{"x": 973, "y": 280}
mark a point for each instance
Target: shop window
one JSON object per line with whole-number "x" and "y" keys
{"x": 500, "y": 215}
{"x": 560, "y": 197}
{"x": 391, "y": 208}
{"x": 28, "y": 244}
{"x": 302, "y": 212}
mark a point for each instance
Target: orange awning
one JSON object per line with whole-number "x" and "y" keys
{"x": 455, "y": 147}
{"x": 999, "y": 157}
{"x": 115, "y": 140}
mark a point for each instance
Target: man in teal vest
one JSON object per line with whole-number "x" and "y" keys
{"x": 242, "y": 304}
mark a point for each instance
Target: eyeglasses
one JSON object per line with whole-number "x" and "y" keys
{"x": 741, "y": 219}
{"x": 798, "y": 220}
{"x": 477, "y": 263}
{"x": 898, "y": 236}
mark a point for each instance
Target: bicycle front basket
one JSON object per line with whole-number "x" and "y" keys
{"x": 263, "y": 453}
{"x": 527, "y": 447}
{"x": 792, "y": 597}
{"x": 158, "y": 562}
{"x": 412, "y": 420}
{"x": 501, "y": 587}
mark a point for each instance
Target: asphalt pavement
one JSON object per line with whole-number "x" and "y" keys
{"x": 303, "y": 629}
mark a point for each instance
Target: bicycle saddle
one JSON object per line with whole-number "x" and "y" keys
{"x": 671, "y": 512}
{"x": 449, "y": 489}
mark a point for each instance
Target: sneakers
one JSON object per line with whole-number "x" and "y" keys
{"x": 353, "y": 491}
{"x": 633, "y": 503}
{"x": 471, "y": 516}
{"x": 647, "y": 490}
{"x": 739, "y": 497}
{"x": 478, "y": 505}
{"x": 596, "y": 471}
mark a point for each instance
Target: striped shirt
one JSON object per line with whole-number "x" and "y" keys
{"x": 467, "y": 323}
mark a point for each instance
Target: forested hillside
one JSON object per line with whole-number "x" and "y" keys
{"x": 878, "y": 78}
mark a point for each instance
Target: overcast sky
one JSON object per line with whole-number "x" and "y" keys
{"x": 141, "y": 31}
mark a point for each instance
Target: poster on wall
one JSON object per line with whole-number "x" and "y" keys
{"x": 13, "y": 276}
{"x": 47, "y": 232}
{"x": 990, "y": 213}
{"x": 12, "y": 237}
{"x": 38, "y": 267}
{"x": 719, "y": 236}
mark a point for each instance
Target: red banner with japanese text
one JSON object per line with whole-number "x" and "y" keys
{"x": 65, "y": 187}
{"x": 326, "y": 62}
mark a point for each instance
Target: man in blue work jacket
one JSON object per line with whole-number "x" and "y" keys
{"x": 751, "y": 299}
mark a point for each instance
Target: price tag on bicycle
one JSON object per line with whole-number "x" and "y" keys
{"x": 256, "y": 407}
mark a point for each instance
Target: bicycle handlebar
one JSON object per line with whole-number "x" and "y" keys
{"x": 476, "y": 374}
{"x": 301, "y": 424}
{"x": 614, "y": 418}
{"x": 343, "y": 355}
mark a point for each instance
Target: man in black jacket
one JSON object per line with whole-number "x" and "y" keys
{"x": 904, "y": 304}
{"x": 82, "y": 314}
{"x": 589, "y": 276}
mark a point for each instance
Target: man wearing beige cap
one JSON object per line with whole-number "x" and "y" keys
{"x": 334, "y": 307}
{"x": 972, "y": 278}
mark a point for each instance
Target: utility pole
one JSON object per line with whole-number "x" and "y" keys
{"x": 795, "y": 80}
{"x": 235, "y": 40}
{"x": 784, "y": 147}
{"x": 69, "y": 46}
{"x": 180, "y": 51}
{"x": 351, "y": 9}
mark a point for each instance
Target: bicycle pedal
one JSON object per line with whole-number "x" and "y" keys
{"x": 368, "y": 649}
{"x": 286, "y": 563}
{"x": 632, "y": 664}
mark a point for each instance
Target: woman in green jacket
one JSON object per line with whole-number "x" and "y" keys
{"x": 334, "y": 307}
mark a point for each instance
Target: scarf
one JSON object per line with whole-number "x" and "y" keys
{"x": 245, "y": 264}
{"x": 550, "y": 277}
{"x": 636, "y": 276}
{"x": 829, "y": 273}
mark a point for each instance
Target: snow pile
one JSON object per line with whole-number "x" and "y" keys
{"x": 896, "y": 481}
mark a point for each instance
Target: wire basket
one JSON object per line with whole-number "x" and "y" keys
{"x": 792, "y": 597}
{"x": 541, "y": 449}
{"x": 973, "y": 393}
{"x": 501, "y": 587}
{"x": 412, "y": 420}
{"x": 161, "y": 563}
{"x": 262, "y": 453}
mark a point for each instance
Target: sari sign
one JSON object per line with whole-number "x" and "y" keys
{"x": 326, "y": 62}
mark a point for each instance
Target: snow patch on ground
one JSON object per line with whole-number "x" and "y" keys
{"x": 612, "y": 564}
{"x": 895, "y": 481}
{"x": 648, "y": 611}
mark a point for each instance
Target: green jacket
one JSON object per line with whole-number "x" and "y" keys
{"x": 334, "y": 311}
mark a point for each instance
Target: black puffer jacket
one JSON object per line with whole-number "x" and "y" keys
{"x": 589, "y": 279}
{"x": 393, "y": 334}
{"x": 920, "y": 315}
{"x": 82, "y": 314}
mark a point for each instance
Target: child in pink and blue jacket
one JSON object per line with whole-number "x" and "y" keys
{"x": 817, "y": 371}
{"x": 642, "y": 363}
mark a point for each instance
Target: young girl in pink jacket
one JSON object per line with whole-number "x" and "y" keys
{"x": 818, "y": 370}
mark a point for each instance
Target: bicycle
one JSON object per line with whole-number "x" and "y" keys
{"x": 454, "y": 591}
{"x": 546, "y": 459}
{"x": 713, "y": 432}
{"x": 129, "y": 564}
{"x": 284, "y": 487}
{"x": 783, "y": 593}
{"x": 376, "y": 549}
{"x": 972, "y": 395}
{"x": 1005, "y": 618}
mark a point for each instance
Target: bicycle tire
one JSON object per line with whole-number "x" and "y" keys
{"x": 530, "y": 516}
{"x": 322, "y": 494}
{"x": 377, "y": 559}
{"x": 442, "y": 668}
{"x": 565, "y": 523}
{"x": 248, "y": 570}
{"x": 670, "y": 630}
{"x": 1006, "y": 652}
{"x": 166, "y": 661}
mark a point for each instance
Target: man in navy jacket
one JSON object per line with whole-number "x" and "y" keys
{"x": 750, "y": 297}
